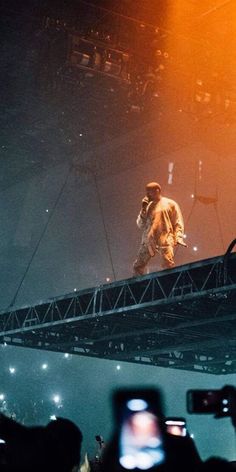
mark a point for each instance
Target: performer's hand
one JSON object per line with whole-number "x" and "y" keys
{"x": 151, "y": 243}
{"x": 145, "y": 202}
{"x": 180, "y": 242}
{"x": 150, "y": 235}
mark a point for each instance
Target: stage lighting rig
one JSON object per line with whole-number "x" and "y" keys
{"x": 97, "y": 57}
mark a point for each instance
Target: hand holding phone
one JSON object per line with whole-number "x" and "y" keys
{"x": 176, "y": 426}
{"x": 141, "y": 440}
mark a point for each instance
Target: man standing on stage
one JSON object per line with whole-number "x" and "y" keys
{"x": 162, "y": 223}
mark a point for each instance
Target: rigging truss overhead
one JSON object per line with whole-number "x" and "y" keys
{"x": 182, "y": 318}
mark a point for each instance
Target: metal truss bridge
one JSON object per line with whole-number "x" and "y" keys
{"x": 182, "y": 318}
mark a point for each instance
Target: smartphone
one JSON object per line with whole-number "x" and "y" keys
{"x": 205, "y": 401}
{"x": 140, "y": 429}
{"x": 176, "y": 426}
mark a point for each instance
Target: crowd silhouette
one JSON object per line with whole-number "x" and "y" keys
{"x": 143, "y": 439}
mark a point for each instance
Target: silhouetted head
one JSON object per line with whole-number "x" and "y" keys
{"x": 63, "y": 442}
{"x": 153, "y": 191}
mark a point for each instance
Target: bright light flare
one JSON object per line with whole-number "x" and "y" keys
{"x": 56, "y": 399}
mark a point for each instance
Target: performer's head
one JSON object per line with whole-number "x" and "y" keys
{"x": 153, "y": 191}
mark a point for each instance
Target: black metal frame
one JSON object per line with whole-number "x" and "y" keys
{"x": 181, "y": 318}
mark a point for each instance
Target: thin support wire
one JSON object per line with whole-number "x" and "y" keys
{"x": 219, "y": 226}
{"x": 40, "y": 239}
{"x": 104, "y": 225}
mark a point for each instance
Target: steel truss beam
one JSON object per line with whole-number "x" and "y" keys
{"x": 176, "y": 318}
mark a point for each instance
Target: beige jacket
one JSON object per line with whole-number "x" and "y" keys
{"x": 166, "y": 218}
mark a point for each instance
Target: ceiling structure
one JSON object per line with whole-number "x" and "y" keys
{"x": 41, "y": 95}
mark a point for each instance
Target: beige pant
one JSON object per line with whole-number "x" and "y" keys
{"x": 140, "y": 264}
